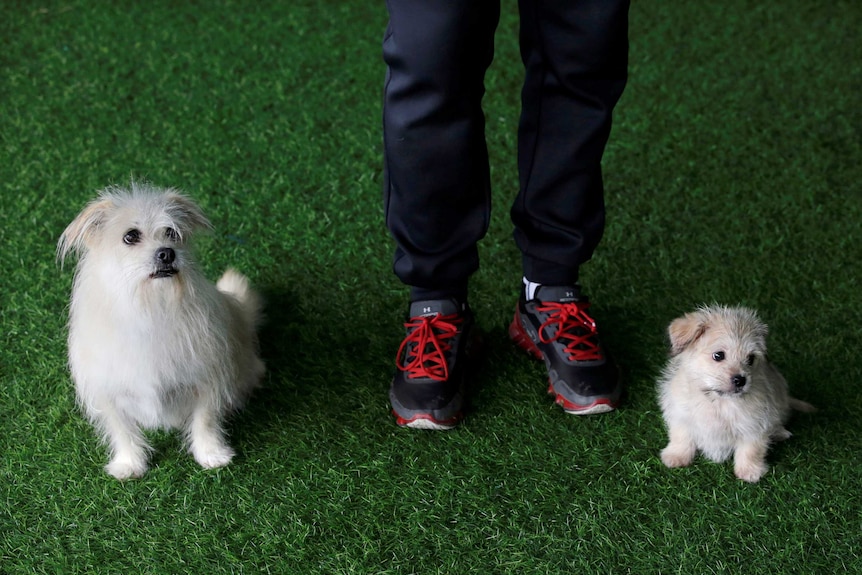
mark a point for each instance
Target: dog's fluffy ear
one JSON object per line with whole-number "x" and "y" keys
{"x": 686, "y": 330}
{"x": 750, "y": 318}
{"x": 185, "y": 212}
{"x": 79, "y": 234}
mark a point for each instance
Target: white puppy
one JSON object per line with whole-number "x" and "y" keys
{"x": 153, "y": 343}
{"x": 719, "y": 394}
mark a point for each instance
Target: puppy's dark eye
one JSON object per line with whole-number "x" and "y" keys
{"x": 750, "y": 360}
{"x": 172, "y": 234}
{"x": 718, "y": 356}
{"x": 132, "y": 237}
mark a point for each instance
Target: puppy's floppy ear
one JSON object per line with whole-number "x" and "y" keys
{"x": 185, "y": 212}
{"x": 686, "y": 330}
{"x": 79, "y": 234}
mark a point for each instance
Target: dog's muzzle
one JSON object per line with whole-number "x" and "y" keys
{"x": 165, "y": 258}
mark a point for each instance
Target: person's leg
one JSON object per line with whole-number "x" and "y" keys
{"x": 437, "y": 192}
{"x": 436, "y": 175}
{"x": 575, "y": 53}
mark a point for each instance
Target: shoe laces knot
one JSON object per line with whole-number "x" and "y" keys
{"x": 574, "y": 327}
{"x": 427, "y": 343}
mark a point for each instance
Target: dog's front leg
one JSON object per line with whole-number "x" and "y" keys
{"x": 681, "y": 448}
{"x": 129, "y": 447}
{"x": 206, "y": 438}
{"x": 749, "y": 461}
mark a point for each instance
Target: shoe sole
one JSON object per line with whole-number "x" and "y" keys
{"x": 427, "y": 422}
{"x": 601, "y": 405}
{"x": 519, "y": 336}
{"x": 442, "y": 419}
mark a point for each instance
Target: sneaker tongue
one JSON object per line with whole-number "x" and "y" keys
{"x": 433, "y": 307}
{"x": 561, "y": 294}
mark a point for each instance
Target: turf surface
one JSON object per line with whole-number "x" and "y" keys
{"x": 733, "y": 175}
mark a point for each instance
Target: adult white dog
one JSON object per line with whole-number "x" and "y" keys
{"x": 152, "y": 342}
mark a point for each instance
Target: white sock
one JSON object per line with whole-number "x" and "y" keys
{"x": 530, "y": 288}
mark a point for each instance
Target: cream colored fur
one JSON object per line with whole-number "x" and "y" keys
{"x": 714, "y": 350}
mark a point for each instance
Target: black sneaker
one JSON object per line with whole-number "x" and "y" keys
{"x": 428, "y": 389}
{"x": 555, "y": 327}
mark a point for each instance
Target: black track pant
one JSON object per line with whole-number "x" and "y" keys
{"x": 436, "y": 174}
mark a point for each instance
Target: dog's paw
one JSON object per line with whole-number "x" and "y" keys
{"x": 213, "y": 456}
{"x": 126, "y": 468}
{"x": 672, "y": 457}
{"x": 781, "y": 435}
{"x": 750, "y": 471}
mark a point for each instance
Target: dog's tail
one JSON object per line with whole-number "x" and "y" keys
{"x": 802, "y": 406}
{"x": 237, "y": 285}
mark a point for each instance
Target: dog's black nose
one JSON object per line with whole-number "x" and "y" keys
{"x": 738, "y": 381}
{"x": 165, "y": 256}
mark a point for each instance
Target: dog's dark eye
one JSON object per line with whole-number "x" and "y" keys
{"x": 132, "y": 237}
{"x": 171, "y": 234}
{"x": 718, "y": 356}
{"x": 750, "y": 360}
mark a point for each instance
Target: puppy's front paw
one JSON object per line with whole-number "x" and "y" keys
{"x": 749, "y": 461}
{"x": 126, "y": 467}
{"x": 213, "y": 456}
{"x": 675, "y": 457}
{"x": 750, "y": 471}
{"x": 781, "y": 435}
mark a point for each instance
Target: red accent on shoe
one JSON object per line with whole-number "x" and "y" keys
{"x": 574, "y": 407}
{"x": 518, "y": 334}
{"x": 569, "y": 319}
{"x": 451, "y": 422}
{"x": 434, "y": 331}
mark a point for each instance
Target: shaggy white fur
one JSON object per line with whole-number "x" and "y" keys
{"x": 152, "y": 343}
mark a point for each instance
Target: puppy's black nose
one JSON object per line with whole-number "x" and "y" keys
{"x": 738, "y": 381}
{"x": 165, "y": 256}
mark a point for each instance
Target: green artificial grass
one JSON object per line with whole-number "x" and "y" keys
{"x": 732, "y": 175}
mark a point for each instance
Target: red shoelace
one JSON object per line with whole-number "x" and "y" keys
{"x": 575, "y": 329}
{"x": 431, "y": 337}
